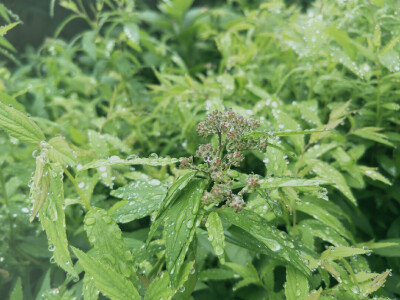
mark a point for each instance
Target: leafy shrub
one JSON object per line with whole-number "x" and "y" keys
{"x": 293, "y": 193}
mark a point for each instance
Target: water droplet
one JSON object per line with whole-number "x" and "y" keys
{"x": 90, "y": 221}
{"x": 219, "y": 251}
{"x": 51, "y": 247}
{"x": 181, "y": 289}
{"x": 153, "y": 155}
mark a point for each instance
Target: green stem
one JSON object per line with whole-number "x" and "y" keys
{"x": 79, "y": 191}
{"x": 7, "y": 203}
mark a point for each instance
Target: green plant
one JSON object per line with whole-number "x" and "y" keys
{"x": 300, "y": 204}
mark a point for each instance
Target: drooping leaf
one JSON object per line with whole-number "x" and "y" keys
{"x": 374, "y": 175}
{"x": 296, "y": 286}
{"x": 290, "y": 182}
{"x": 278, "y": 242}
{"x": 373, "y": 134}
{"x": 108, "y": 281}
{"x": 18, "y": 125}
{"x": 106, "y": 237}
{"x": 180, "y": 225}
{"x": 60, "y": 151}
{"x": 141, "y": 198}
{"x": 52, "y": 218}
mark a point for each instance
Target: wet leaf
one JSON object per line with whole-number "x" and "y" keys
{"x": 159, "y": 288}
{"x": 60, "y": 151}
{"x": 296, "y": 286}
{"x": 216, "y": 235}
{"x": 52, "y": 218}
{"x": 19, "y": 126}
{"x": 106, "y": 238}
{"x": 141, "y": 198}
{"x": 277, "y": 241}
{"x": 180, "y": 225}
{"x": 109, "y": 282}
{"x": 17, "y": 293}
{"x": 117, "y": 161}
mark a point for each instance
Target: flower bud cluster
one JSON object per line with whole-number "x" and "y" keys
{"x": 231, "y": 130}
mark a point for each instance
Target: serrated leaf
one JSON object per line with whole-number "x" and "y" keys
{"x": 117, "y": 161}
{"x": 89, "y": 290}
{"x": 341, "y": 252}
{"x": 290, "y": 182}
{"x": 40, "y": 184}
{"x": 330, "y": 174}
{"x": 159, "y": 288}
{"x": 372, "y": 133}
{"x": 181, "y": 224}
{"x": 173, "y": 193}
{"x": 318, "y": 229}
{"x": 277, "y": 241}
{"x": 52, "y": 218}
{"x": 216, "y": 235}
{"x": 108, "y": 281}
{"x": 314, "y": 295}
{"x": 4, "y": 29}
{"x": 8, "y": 100}
{"x": 376, "y": 283}
{"x": 17, "y": 293}
{"x": 374, "y": 175}
{"x": 106, "y": 238}
{"x": 323, "y": 216}
{"x": 186, "y": 280}
{"x": 296, "y": 286}
{"x": 98, "y": 143}
{"x": 141, "y": 198}
{"x": 19, "y": 126}
{"x": 60, "y": 151}
{"x": 249, "y": 274}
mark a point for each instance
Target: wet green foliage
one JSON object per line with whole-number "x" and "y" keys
{"x": 93, "y": 203}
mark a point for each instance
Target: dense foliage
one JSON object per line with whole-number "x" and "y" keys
{"x": 234, "y": 150}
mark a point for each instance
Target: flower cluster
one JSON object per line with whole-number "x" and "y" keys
{"x": 231, "y": 130}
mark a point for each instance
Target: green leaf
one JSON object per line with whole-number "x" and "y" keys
{"x": 8, "y": 100}
{"x": 314, "y": 295}
{"x": 374, "y": 175}
{"x": 132, "y": 32}
{"x": 186, "y": 280}
{"x": 216, "y": 274}
{"x": 173, "y": 194}
{"x": 89, "y": 289}
{"x": 108, "y": 281}
{"x": 341, "y": 252}
{"x": 296, "y": 286}
{"x": 323, "y": 216}
{"x": 290, "y": 182}
{"x": 4, "y": 29}
{"x": 216, "y": 235}
{"x": 19, "y": 126}
{"x": 277, "y": 241}
{"x": 40, "y": 184}
{"x": 330, "y": 174}
{"x": 117, "y": 161}
{"x": 159, "y": 288}
{"x": 17, "y": 293}
{"x": 142, "y": 198}
{"x": 372, "y": 133}
{"x": 180, "y": 225}
{"x": 249, "y": 274}
{"x": 52, "y": 218}
{"x": 375, "y": 284}
{"x": 60, "y": 151}
{"x": 106, "y": 238}
{"x": 98, "y": 143}
{"x": 386, "y": 248}
{"x": 316, "y": 228}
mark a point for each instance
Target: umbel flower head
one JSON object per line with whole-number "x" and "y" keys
{"x": 231, "y": 130}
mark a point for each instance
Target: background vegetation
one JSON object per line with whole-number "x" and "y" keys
{"x": 125, "y": 80}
